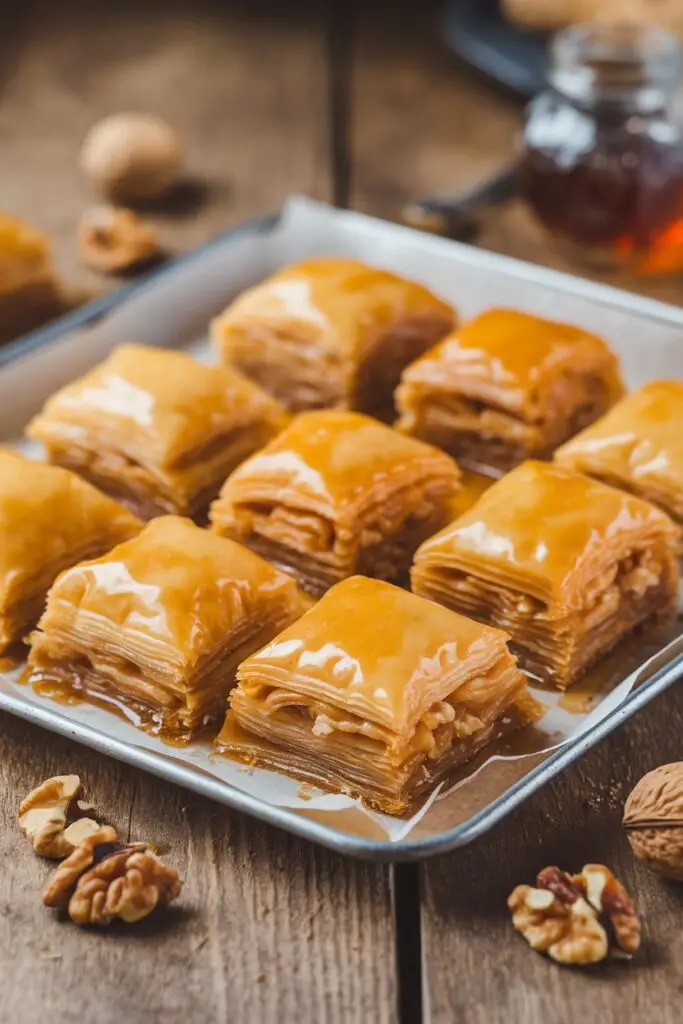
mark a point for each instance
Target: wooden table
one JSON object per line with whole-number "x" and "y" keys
{"x": 351, "y": 104}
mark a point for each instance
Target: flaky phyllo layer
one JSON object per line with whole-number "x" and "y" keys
{"x": 505, "y": 387}
{"x": 336, "y": 494}
{"x": 331, "y": 333}
{"x": 317, "y": 708}
{"x": 157, "y": 628}
{"x": 157, "y": 429}
{"x": 566, "y": 566}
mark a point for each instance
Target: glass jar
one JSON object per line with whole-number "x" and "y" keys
{"x": 602, "y": 161}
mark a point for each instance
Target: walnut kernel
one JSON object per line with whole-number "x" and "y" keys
{"x": 53, "y": 819}
{"x": 653, "y": 819}
{"x": 132, "y": 157}
{"x": 112, "y": 240}
{"x": 104, "y": 879}
{"x": 576, "y": 919}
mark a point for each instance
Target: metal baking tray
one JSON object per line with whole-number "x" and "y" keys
{"x": 172, "y": 306}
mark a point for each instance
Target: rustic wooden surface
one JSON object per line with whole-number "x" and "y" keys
{"x": 359, "y": 105}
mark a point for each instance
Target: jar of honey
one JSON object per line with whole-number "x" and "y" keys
{"x": 602, "y": 160}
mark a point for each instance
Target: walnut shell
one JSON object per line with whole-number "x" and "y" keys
{"x": 132, "y": 157}
{"x": 653, "y": 819}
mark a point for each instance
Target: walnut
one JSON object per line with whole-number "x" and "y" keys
{"x": 576, "y": 919}
{"x": 112, "y": 240}
{"x": 653, "y": 819}
{"x": 132, "y": 157}
{"x": 104, "y": 879}
{"x": 54, "y": 819}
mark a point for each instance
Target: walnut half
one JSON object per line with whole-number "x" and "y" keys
{"x": 104, "y": 879}
{"x": 115, "y": 240}
{"x": 54, "y": 819}
{"x": 577, "y": 919}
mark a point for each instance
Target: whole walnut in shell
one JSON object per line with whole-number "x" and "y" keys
{"x": 132, "y": 157}
{"x": 653, "y": 819}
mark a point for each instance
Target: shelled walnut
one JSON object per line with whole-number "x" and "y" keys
{"x": 113, "y": 240}
{"x": 53, "y": 819}
{"x": 577, "y": 919}
{"x": 104, "y": 879}
{"x": 653, "y": 819}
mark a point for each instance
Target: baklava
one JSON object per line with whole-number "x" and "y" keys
{"x": 29, "y": 291}
{"x": 375, "y": 693}
{"x": 565, "y": 564}
{"x": 49, "y": 520}
{"x": 505, "y": 387}
{"x": 331, "y": 333}
{"x": 157, "y": 429}
{"x": 156, "y": 628}
{"x": 337, "y": 493}
{"x": 637, "y": 446}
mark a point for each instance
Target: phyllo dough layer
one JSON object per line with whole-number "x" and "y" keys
{"x": 507, "y": 386}
{"x": 376, "y": 693}
{"x": 49, "y": 520}
{"x": 157, "y": 429}
{"x": 331, "y": 333}
{"x": 29, "y": 293}
{"x": 566, "y": 565}
{"x": 157, "y": 627}
{"x": 638, "y": 445}
{"x": 337, "y": 493}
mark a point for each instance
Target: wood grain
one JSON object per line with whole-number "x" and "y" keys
{"x": 478, "y": 971}
{"x": 268, "y": 928}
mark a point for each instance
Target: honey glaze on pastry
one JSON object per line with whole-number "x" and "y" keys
{"x": 331, "y": 333}
{"x": 29, "y": 292}
{"x": 337, "y": 493}
{"x": 157, "y": 429}
{"x": 376, "y": 693}
{"x": 566, "y": 565}
{"x": 638, "y": 445}
{"x": 156, "y": 628}
{"x": 507, "y": 386}
{"x": 49, "y": 520}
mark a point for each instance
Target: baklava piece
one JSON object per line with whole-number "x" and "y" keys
{"x": 29, "y": 292}
{"x": 566, "y": 565}
{"x": 156, "y": 628}
{"x": 331, "y": 333}
{"x": 156, "y": 429}
{"x": 375, "y": 693}
{"x": 337, "y": 493}
{"x": 49, "y": 520}
{"x": 505, "y": 387}
{"x": 637, "y": 446}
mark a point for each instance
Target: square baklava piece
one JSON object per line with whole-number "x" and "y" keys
{"x": 29, "y": 291}
{"x": 157, "y": 429}
{"x": 155, "y": 629}
{"x": 566, "y": 565}
{"x": 638, "y": 446}
{"x": 337, "y": 493}
{"x": 505, "y": 387}
{"x": 375, "y": 693}
{"x": 331, "y": 333}
{"x": 49, "y": 520}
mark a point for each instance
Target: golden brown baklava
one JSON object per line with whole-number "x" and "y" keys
{"x": 337, "y": 493}
{"x": 49, "y": 520}
{"x": 505, "y": 387}
{"x": 156, "y": 628}
{"x": 566, "y": 565}
{"x": 331, "y": 333}
{"x": 638, "y": 446}
{"x": 29, "y": 293}
{"x": 157, "y": 429}
{"x": 376, "y": 693}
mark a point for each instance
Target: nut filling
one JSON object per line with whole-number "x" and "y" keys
{"x": 577, "y": 919}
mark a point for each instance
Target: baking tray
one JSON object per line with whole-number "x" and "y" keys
{"x": 172, "y": 306}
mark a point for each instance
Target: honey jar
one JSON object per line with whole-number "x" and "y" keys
{"x": 602, "y": 156}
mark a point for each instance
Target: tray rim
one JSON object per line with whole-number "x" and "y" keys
{"x": 167, "y": 767}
